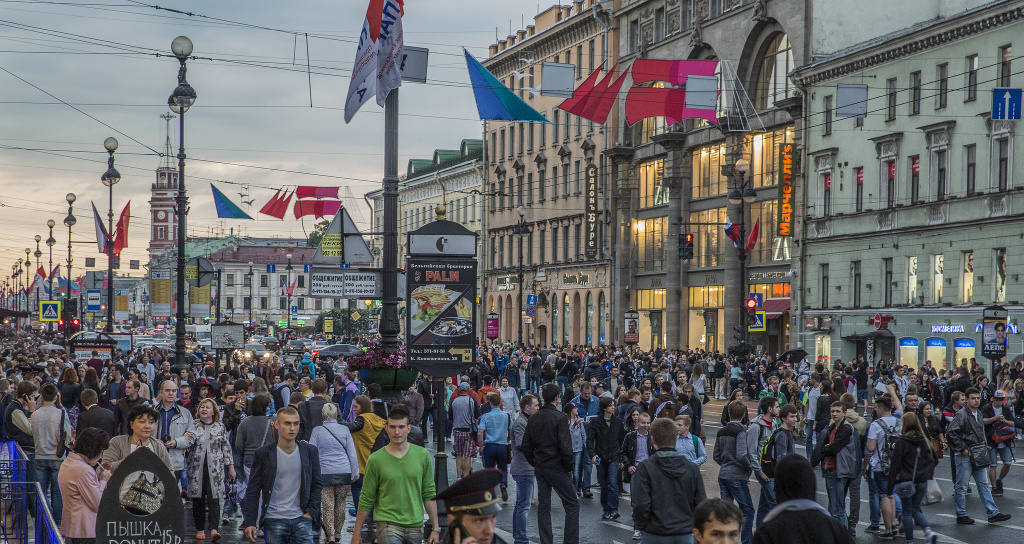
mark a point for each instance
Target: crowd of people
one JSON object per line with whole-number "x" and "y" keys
{"x": 277, "y": 448}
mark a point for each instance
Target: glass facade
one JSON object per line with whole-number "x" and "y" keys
{"x": 709, "y": 239}
{"x": 650, "y": 243}
{"x": 653, "y": 191}
{"x": 708, "y": 179}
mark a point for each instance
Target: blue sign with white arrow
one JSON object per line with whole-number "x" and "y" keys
{"x": 306, "y": 268}
{"x": 271, "y": 268}
{"x": 1006, "y": 104}
{"x": 531, "y": 300}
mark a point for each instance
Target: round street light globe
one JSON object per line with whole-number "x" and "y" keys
{"x": 110, "y": 144}
{"x": 181, "y": 47}
{"x": 51, "y": 223}
{"x": 38, "y": 238}
{"x": 742, "y": 166}
{"x": 71, "y": 198}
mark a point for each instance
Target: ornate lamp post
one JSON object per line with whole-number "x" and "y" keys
{"x": 180, "y": 101}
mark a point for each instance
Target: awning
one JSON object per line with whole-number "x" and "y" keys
{"x": 774, "y": 307}
{"x": 880, "y": 333}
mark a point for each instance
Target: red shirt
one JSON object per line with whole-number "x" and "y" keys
{"x": 830, "y": 461}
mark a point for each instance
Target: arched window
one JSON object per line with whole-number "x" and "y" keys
{"x": 773, "y": 81}
{"x": 590, "y": 320}
{"x": 554, "y": 323}
{"x": 566, "y": 323}
{"x": 600, "y": 318}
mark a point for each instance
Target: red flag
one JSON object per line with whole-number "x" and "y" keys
{"x": 752, "y": 239}
{"x": 121, "y": 237}
{"x": 291, "y": 290}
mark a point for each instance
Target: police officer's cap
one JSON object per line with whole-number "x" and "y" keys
{"x": 473, "y": 494}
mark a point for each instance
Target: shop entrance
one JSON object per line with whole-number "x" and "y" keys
{"x": 909, "y": 352}
{"x": 936, "y": 351}
{"x": 963, "y": 350}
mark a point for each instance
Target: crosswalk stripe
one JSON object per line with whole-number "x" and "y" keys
{"x": 618, "y": 525}
{"x": 1004, "y": 487}
{"x": 1008, "y": 526}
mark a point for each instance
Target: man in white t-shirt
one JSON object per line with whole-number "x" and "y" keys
{"x": 883, "y": 507}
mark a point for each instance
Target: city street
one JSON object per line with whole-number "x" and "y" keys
{"x": 940, "y": 516}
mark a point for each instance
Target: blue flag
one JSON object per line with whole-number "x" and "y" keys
{"x": 494, "y": 101}
{"x": 226, "y": 208}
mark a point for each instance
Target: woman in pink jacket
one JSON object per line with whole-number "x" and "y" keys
{"x": 82, "y": 480}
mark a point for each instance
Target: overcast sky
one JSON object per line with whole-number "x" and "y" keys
{"x": 253, "y": 107}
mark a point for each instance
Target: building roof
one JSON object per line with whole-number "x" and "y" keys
{"x": 264, "y": 255}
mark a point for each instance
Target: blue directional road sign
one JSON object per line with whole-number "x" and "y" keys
{"x": 531, "y": 300}
{"x": 759, "y": 297}
{"x": 271, "y": 268}
{"x": 295, "y": 309}
{"x": 1006, "y": 104}
{"x": 306, "y": 268}
{"x": 49, "y": 310}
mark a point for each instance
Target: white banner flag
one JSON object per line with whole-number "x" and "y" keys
{"x": 389, "y": 49}
{"x": 364, "y": 71}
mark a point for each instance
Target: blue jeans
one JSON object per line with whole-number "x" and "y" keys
{"x": 608, "y": 477}
{"x": 584, "y": 468}
{"x": 389, "y": 533}
{"x": 577, "y": 457}
{"x": 765, "y": 502}
{"x": 494, "y": 456}
{"x": 734, "y": 384}
{"x": 964, "y": 472}
{"x": 836, "y": 488}
{"x": 524, "y": 490}
{"x": 809, "y": 437}
{"x": 739, "y": 490}
{"x": 288, "y": 531}
{"x": 877, "y": 488}
{"x": 912, "y": 511}
{"x": 647, "y": 538}
{"x": 357, "y": 490}
{"x": 46, "y": 475}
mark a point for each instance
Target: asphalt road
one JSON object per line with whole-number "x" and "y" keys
{"x": 595, "y": 530}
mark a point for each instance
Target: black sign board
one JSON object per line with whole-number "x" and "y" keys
{"x": 165, "y": 524}
{"x": 993, "y": 333}
{"x": 590, "y": 221}
{"x": 440, "y": 322}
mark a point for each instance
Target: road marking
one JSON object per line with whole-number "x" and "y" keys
{"x": 1004, "y": 487}
{"x": 505, "y": 535}
{"x": 618, "y": 525}
{"x": 1017, "y": 527}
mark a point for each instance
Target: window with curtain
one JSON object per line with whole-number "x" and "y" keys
{"x": 709, "y": 240}
{"x": 773, "y": 83}
{"x": 707, "y": 171}
{"x": 764, "y": 155}
{"x": 653, "y": 191}
{"x": 650, "y": 240}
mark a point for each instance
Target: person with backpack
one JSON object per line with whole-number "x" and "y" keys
{"x": 731, "y": 455}
{"x": 687, "y": 443}
{"x": 880, "y": 443}
{"x": 667, "y": 489}
{"x": 999, "y": 435}
{"x": 839, "y": 452}
{"x": 966, "y": 438}
{"x": 758, "y": 434}
{"x": 914, "y": 464}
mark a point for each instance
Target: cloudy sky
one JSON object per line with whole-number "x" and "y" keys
{"x": 253, "y": 106}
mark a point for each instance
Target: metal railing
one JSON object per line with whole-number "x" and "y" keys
{"x": 23, "y": 508}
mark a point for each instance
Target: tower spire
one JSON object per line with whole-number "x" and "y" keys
{"x": 167, "y": 161}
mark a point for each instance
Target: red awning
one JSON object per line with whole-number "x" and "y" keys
{"x": 774, "y": 307}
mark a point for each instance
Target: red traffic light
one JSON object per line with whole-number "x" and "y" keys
{"x": 60, "y": 322}
{"x": 689, "y": 238}
{"x": 75, "y": 322}
{"x": 751, "y": 304}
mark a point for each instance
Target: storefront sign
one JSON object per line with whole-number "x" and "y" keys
{"x": 590, "y": 222}
{"x": 507, "y": 283}
{"x": 947, "y": 329}
{"x": 650, "y": 282}
{"x": 785, "y": 219}
{"x": 631, "y": 334}
{"x": 881, "y": 321}
{"x": 578, "y": 279}
{"x": 755, "y": 276}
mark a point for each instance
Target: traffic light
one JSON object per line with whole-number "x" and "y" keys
{"x": 751, "y": 311}
{"x": 75, "y": 324}
{"x": 72, "y": 306}
{"x": 686, "y": 246}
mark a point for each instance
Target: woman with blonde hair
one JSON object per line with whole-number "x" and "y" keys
{"x": 339, "y": 467}
{"x": 913, "y": 465}
{"x": 208, "y": 456}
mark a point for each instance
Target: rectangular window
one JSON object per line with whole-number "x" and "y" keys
{"x": 912, "y": 281}
{"x": 529, "y": 138}
{"x": 565, "y": 133}
{"x": 230, "y": 280}
{"x": 826, "y": 192}
{"x": 529, "y": 249}
{"x": 971, "y": 78}
{"x": 707, "y": 172}
{"x": 887, "y": 282}
{"x": 301, "y": 303}
{"x": 1005, "y": 57}
{"x": 229, "y": 303}
{"x": 967, "y": 278}
{"x": 554, "y": 182}
{"x": 511, "y": 142}
{"x": 890, "y": 99}
{"x": 859, "y": 173}
{"x": 915, "y": 180}
{"x": 579, "y": 61}
{"x": 1003, "y": 163}
{"x": 999, "y": 273}
{"x": 494, "y": 147}
{"x": 937, "y": 278}
{"x": 501, "y": 251}
{"x": 264, "y": 303}
{"x": 565, "y": 243}
{"x": 687, "y": 14}
{"x": 541, "y": 248}
{"x": 577, "y": 239}
{"x": 246, "y": 280}
{"x": 318, "y": 304}
{"x": 501, "y": 143}
{"x": 542, "y": 136}
{"x": 579, "y": 178}
{"x": 942, "y": 76}
{"x": 519, "y": 190}
{"x": 827, "y": 105}
{"x": 590, "y": 57}
{"x": 282, "y": 303}
{"x": 716, "y": 8}
{"x": 529, "y": 189}
{"x": 941, "y": 183}
{"x": 855, "y": 281}
{"x": 302, "y": 280}
{"x": 161, "y": 233}
{"x": 634, "y": 36}
{"x": 823, "y": 274}
{"x": 970, "y": 168}
{"x": 264, "y": 280}
{"x": 653, "y": 192}
{"x": 659, "y": 25}
{"x": 555, "y": 116}
{"x": 565, "y": 179}
{"x": 522, "y": 138}
{"x": 915, "y": 93}
{"x": 650, "y": 240}
{"x": 890, "y": 182}
{"x": 246, "y": 303}
{"x": 554, "y": 244}
{"x": 541, "y": 189}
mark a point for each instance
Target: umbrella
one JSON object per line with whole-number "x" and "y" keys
{"x": 50, "y": 347}
{"x": 795, "y": 355}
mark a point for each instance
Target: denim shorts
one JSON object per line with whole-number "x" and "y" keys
{"x": 995, "y": 454}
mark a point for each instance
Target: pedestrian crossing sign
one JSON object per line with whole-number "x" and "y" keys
{"x": 49, "y": 310}
{"x": 758, "y": 323}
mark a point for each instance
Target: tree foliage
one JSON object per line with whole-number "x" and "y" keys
{"x": 313, "y": 240}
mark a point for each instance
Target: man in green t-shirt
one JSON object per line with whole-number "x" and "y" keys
{"x": 397, "y": 486}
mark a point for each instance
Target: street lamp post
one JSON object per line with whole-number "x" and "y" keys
{"x": 39, "y": 256}
{"x": 289, "y": 290}
{"x": 180, "y": 101}
{"x": 69, "y": 222}
{"x": 110, "y": 178}
{"x": 250, "y": 293}
{"x": 741, "y": 196}
{"x": 28, "y": 295}
{"x": 521, "y": 231}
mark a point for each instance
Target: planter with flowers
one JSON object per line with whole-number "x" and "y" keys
{"x": 389, "y": 370}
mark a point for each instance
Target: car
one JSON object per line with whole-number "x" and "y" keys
{"x": 295, "y": 347}
{"x": 272, "y": 344}
{"x": 337, "y": 350}
{"x": 252, "y": 352}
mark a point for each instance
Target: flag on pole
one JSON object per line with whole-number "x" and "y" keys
{"x": 732, "y": 232}
{"x": 494, "y": 101}
{"x": 379, "y": 52}
{"x": 390, "y": 48}
{"x": 291, "y": 290}
{"x": 101, "y": 231}
{"x": 752, "y": 239}
{"x": 121, "y": 234}
{"x": 40, "y": 276}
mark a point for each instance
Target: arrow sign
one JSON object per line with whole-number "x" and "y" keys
{"x": 1006, "y": 104}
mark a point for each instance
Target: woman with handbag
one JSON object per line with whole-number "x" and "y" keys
{"x": 339, "y": 467}
{"x": 913, "y": 465}
{"x": 208, "y": 457}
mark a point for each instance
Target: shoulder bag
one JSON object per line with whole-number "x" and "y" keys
{"x": 905, "y": 490}
{"x": 62, "y": 446}
{"x": 508, "y": 442}
{"x": 343, "y": 478}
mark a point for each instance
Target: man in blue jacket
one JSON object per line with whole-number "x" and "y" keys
{"x": 286, "y": 476}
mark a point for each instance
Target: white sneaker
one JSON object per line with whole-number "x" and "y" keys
{"x": 636, "y": 534}
{"x": 930, "y": 537}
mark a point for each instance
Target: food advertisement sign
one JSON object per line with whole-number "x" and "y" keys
{"x": 441, "y": 316}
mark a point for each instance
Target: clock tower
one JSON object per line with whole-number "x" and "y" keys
{"x": 163, "y": 219}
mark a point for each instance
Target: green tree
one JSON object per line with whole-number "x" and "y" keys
{"x": 318, "y": 233}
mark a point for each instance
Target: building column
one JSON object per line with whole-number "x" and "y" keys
{"x": 673, "y": 178}
{"x": 619, "y": 299}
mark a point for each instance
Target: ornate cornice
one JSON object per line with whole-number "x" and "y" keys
{"x": 551, "y": 41}
{"x": 951, "y": 30}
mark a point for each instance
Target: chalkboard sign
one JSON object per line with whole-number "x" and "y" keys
{"x": 117, "y": 525}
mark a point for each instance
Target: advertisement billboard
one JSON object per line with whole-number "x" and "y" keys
{"x": 441, "y": 316}
{"x": 631, "y": 328}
